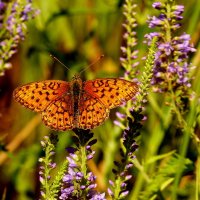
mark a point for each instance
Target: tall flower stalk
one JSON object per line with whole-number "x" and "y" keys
{"x": 50, "y": 186}
{"x": 171, "y": 70}
{"x": 13, "y": 18}
{"x": 171, "y": 62}
{"x": 129, "y": 53}
{"x": 72, "y": 180}
{"x": 79, "y": 182}
{"x": 118, "y": 187}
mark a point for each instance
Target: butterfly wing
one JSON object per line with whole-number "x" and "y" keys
{"x": 55, "y": 101}
{"x": 38, "y": 95}
{"x": 92, "y": 112}
{"x": 59, "y": 114}
{"x": 111, "y": 92}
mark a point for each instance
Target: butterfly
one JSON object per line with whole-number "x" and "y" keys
{"x": 76, "y": 104}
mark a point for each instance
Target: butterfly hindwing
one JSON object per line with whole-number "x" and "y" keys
{"x": 59, "y": 114}
{"x": 92, "y": 112}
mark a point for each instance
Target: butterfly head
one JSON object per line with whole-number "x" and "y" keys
{"x": 76, "y": 80}
{"x": 76, "y": 77}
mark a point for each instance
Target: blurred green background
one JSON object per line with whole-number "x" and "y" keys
{"x": 78, "y": 32}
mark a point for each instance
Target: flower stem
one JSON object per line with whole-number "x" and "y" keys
{"x": 83, "y": 160}
{"x": 168, "y": 29}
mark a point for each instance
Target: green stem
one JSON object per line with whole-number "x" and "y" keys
{"x": 83, "y": 160}
{"x": 168, "y": 29}
{"x": 188, "y": 131}
{"x": 117, "y": 188}
{"x": 47, "y": 174}
{"x": 183, "y": 151}
{"x": 198, "y": 175}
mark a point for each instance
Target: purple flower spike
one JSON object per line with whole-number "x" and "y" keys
{"x": 13, "y": 21}
{"x": 77, "y": 176}
{"x": 173, "y": 52}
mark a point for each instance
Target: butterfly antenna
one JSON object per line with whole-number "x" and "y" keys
{"x": 98, "y": 59}
{"x": 59, "y": 62}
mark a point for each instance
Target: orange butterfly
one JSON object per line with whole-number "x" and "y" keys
{"x": 76, "y": 104}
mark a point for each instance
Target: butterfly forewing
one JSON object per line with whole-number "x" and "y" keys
{"x": 111, "y": 92}
{"x": 38, "y": 95}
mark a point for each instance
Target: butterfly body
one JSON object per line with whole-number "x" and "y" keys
{"x": 76, "y": 92}
{"x": 76, "y": 104}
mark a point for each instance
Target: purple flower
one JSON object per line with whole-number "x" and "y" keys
{"x": 120, "y": 115}
{"x": 156, "y": 21}
{"x": 13, "y": 21}
{"x": 67, "y": 178}
{"x": 65, "y": 193}
{"x": 157, "y": 5}
{"x": 98, "y": 196}
{"x": 2, "y": 5}
{"x": 110, "y": 192}
{"x": 91, "y": 155}
{"x": 121, "y": 170}
{"x": 75, "y": 180}
{"x": 78, "y": 182}
{"x": 178, "y": 9}
{"x": 172, "y": 53}
{"x": 124, "y": 194}
{"x": 71, "y": 150}
{"x": 72, "y": 162}
{"x": 91, "y": 177}
{"x": 25, "y": 12}
{"x": 52, "y": 165}
{"x": 166, "y": 48}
